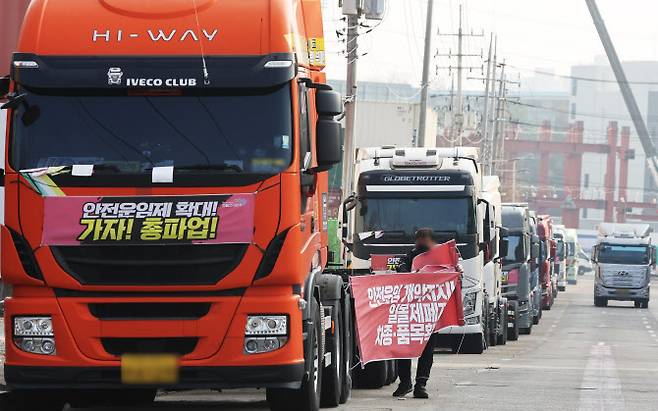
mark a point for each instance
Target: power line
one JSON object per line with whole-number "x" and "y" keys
{"x": 572, "y": 113}
{"x": 581, "y": 78}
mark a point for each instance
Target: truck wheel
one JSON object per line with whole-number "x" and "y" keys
{"x": 332, "y": 375}
{"x": 372, "y": 376}
{"x": 41, "y": 400}
{"x": 600, "y": 301}
{"x": 307, "y": 397}
{"x": 474, "y": 344}
{"x": 348, "y": 351}
{"x": 390, "y": 372}
{"x": 502, "y": 336}
{"x": 513, "y": 331}
{"x": 493, "y": 328}
{"x": 551, "y": 301}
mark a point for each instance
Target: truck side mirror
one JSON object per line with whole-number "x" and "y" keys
{"x": 328, "y": 145}
{"x": 504, "y": 245}
{"x": 534, "y": 251}
{"x": 328, "y": 104}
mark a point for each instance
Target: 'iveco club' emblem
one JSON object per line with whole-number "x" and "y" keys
{"x": 623, "y": 274}
{"x": 114, "y": 76}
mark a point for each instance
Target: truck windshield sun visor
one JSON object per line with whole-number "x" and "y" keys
{"x": 121, "y": 73}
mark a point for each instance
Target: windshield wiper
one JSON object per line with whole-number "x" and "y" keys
{"x": 212, "y": 167}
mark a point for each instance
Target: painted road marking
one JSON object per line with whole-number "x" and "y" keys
{"x": 601, "y": 387}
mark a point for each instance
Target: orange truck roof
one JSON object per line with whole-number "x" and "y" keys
{"x": 175, "y": 27}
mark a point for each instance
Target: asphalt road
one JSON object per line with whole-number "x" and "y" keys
{"x": 578, "y": 358}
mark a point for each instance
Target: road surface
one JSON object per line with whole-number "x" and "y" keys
{"x": 578, "y": 358}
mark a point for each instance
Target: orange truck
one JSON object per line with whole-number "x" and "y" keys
{"x": 166, "y": 204}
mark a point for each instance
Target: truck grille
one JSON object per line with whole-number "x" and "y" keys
{"x": 149, "y": 311}
{"x": 120, "y": 346}
{"x": 624, "y": 277}
{"x": 187, "y": 264}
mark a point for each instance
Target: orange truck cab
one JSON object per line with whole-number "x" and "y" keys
{"x": 166, "y": 203}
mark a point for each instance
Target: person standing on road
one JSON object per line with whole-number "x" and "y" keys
{"x": 423, "y": 242}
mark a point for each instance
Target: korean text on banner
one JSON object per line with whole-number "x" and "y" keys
{"x": 397, "y": 313}
{"x": 200, "y": 219}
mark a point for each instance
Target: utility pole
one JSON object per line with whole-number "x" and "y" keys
{"x": 500, "y": 101}
{"x": 350, "y": 103}
{"x": 458, "y": 112}
{"x": 460, "y": 88}
{"x": 424, "y": 87}
{"x": 631, "y": 104}
{"x": 485, "y": 116}
{"x": 488, "y": 154}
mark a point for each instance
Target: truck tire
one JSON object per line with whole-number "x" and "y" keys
{"x": 493, "y": 327}
{"x": 333, "y": 374}
{"x": 348, "y": 350}
{"x": 474, "y": 344}
{"x": 548, "y": 306}
{"x": 600, "y": 301}
{"x": 391, "y": 372}
{"x": 513, "y": 331}
{"x": 372, "y": 376}
{"x": 307, "y": 397}
{"x": 502, "y": 336}
{"x": 536, "y": 318}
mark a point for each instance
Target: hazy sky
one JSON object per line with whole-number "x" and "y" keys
{"x": 542, "y": 34}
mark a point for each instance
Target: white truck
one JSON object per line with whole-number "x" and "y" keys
{"x": 400, "y": 190}
{"x": 493, "y": 269}
{"x": 623, "y": 258}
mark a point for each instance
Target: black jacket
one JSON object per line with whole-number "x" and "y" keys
{"x": 407, "y": 260}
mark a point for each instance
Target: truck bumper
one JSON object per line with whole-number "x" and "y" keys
{"x": 280, "y": 376}
{"x": 85, "y": 343}
{"x": 621, "y": 294}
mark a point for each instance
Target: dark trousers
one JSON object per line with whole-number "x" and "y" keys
{"x": 424, "y": 365}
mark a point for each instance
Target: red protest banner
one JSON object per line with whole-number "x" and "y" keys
{"x": 397, "y": 313}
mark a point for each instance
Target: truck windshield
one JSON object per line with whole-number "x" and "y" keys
{"x": 515, "y": 252}
{"x": 452, "y": 215}
{"x": 248, "y": 131}
{"x": 623, "y": 254}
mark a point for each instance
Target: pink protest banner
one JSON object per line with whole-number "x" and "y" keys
{"x": 197, "y": 219}
{"x": 397, "y": 313}
{"x": 384, "y": 262}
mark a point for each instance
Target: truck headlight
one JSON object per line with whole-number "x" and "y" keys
{"x": 266, "y": 325}
{"x": 35, "y": 335}
{"x": 265, "y": 333}
{"x": 33, "y": 327}
{"x": 470, "y": 300}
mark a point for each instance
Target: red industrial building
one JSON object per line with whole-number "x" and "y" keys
{"x": 569, "y": 199}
